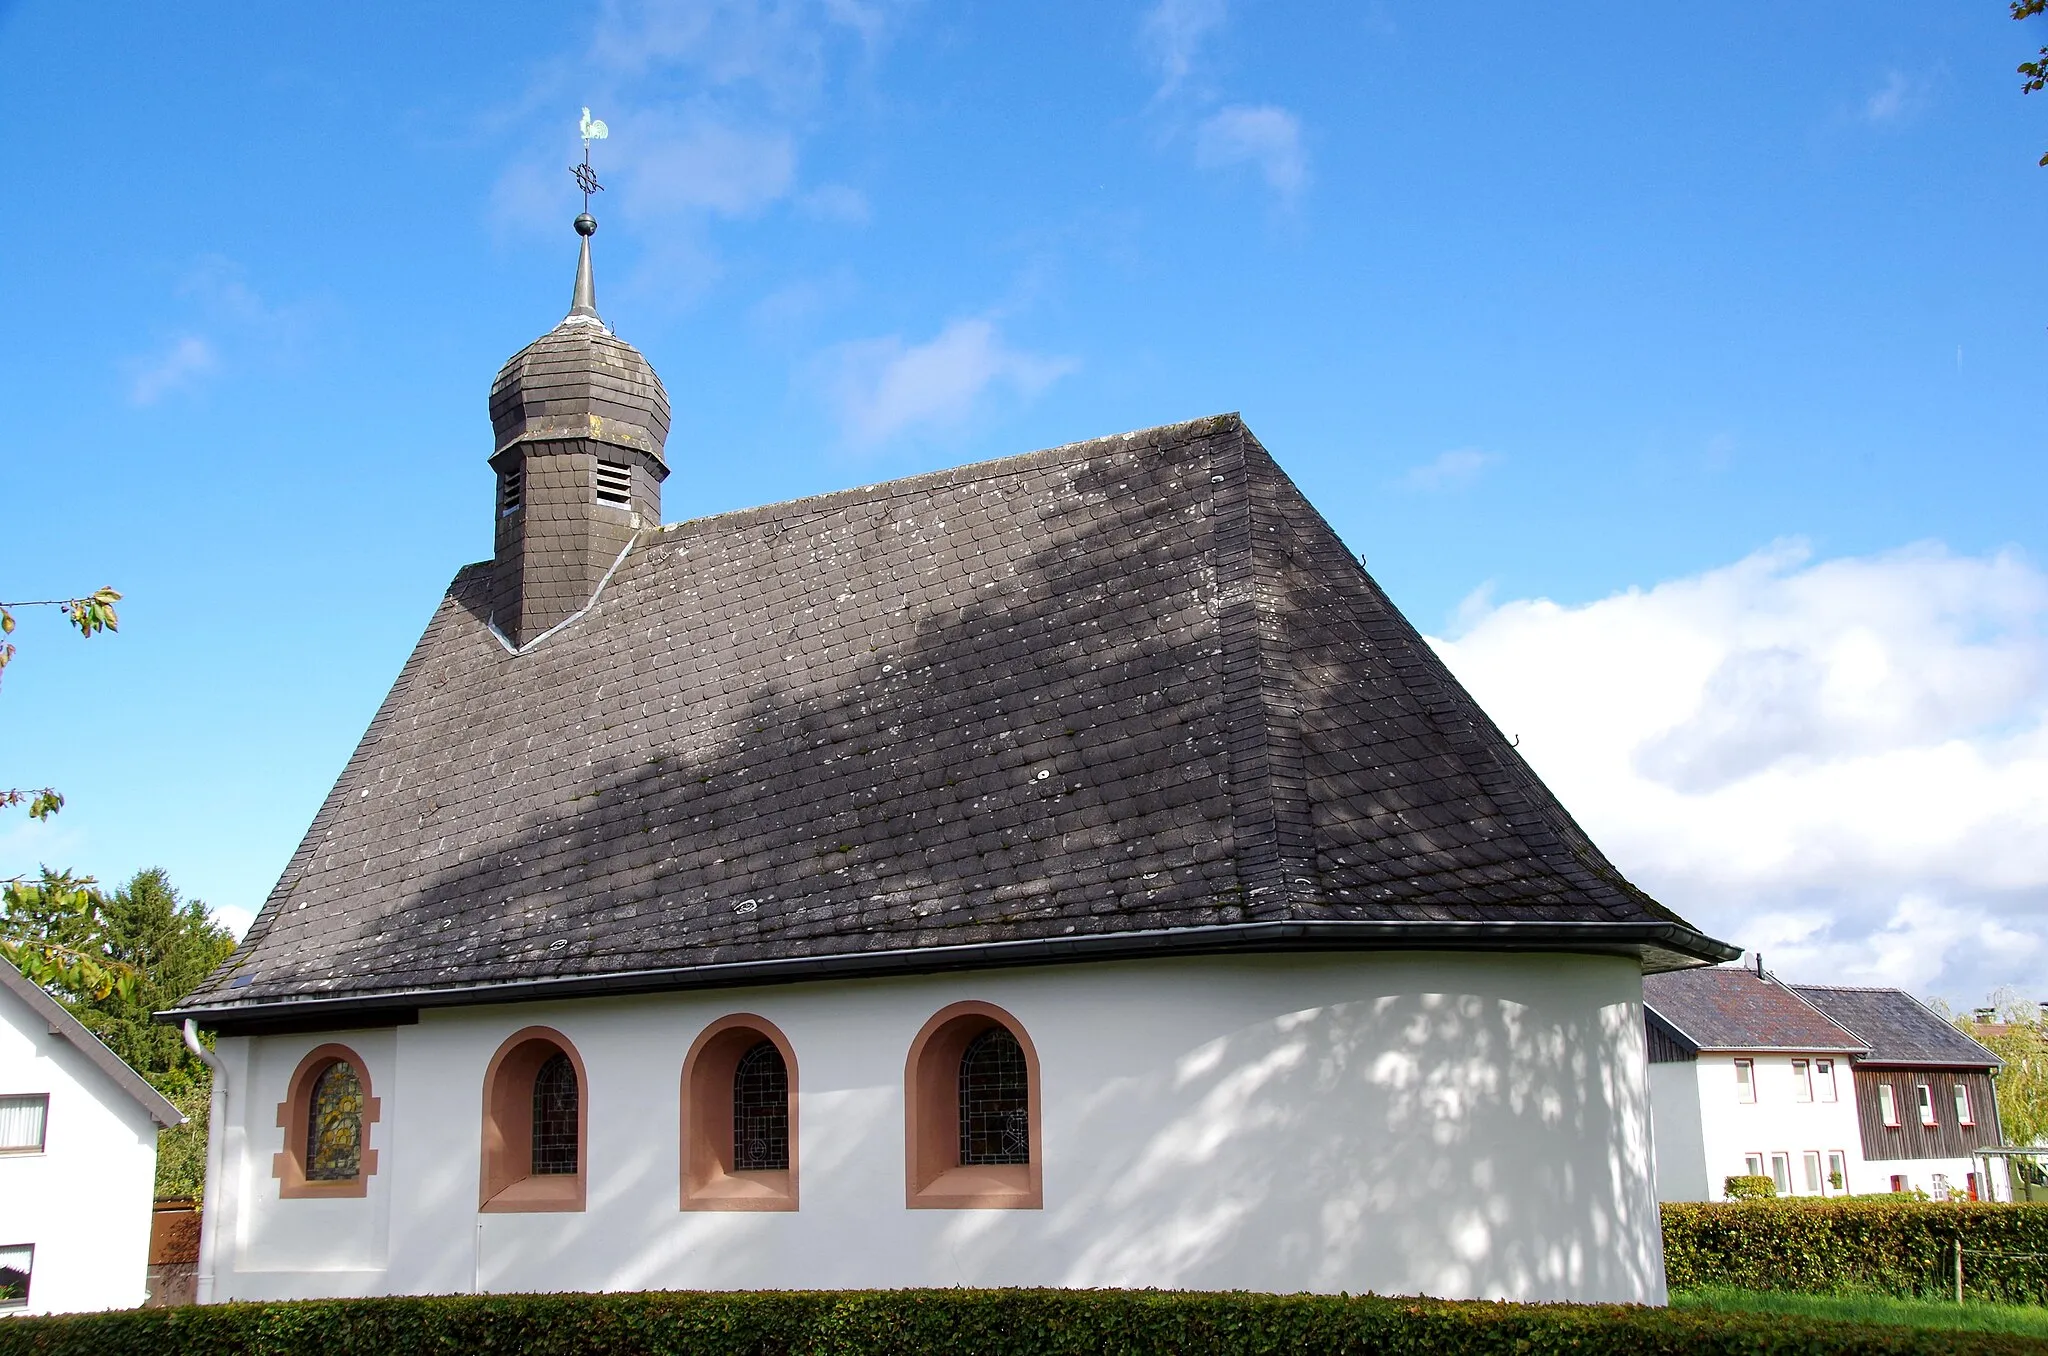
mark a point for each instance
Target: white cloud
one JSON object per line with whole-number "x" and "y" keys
{"x": 1265, "y": 137}
{"x": 836, "y": 202}
{"x": 1844, "y": 762}
{"x": 1172, "y": 32}
{"x": 1451, "y": 470}
{"x": 883, "y": 387}
{"x": 681, "y": 163}
{"x": 179, "y": 366}
{"x": 1899, "y": 98}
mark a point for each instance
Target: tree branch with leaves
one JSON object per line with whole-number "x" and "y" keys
{"x": 91, "y": 615}
{"x": 2033, "y": 74}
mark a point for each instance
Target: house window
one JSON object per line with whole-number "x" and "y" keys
{"x": 1745, "y": 1080}
{"x": 17, "y": 1261}
{"x": 326, "y": 1117}
{"x": 1802, "y": 1080}
{"x": 739, "y": 1149}
{"x": 1838, "y": 1170}
{"x": 1781, "y": 1173}
{"x": 614, "y": 483}
{"x": 1925, "y": 1096}
{"x": 1753, "y": 1164}
{"x": 512, "y": 490}
{"x": 1809, "y": 1162}
{"x": 1963, "y": 1116}
{"x": 1824, "y": 1079}
{"x": 1899, "y": 1182}
{"x": 971, "y": 1117}
{"x": 536, "y": 1117}
{"x": 24, "y": 1119}
{"x": 1888, "y": 1105}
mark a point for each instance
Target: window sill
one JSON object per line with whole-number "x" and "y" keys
{"x": 770, "y": 1189}
{"x": 998, "y": 1186}
{"x": 538, "y": 1195}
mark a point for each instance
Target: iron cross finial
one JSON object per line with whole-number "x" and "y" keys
{"x": 586, "y": 178}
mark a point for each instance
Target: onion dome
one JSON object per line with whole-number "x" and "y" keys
{"x": 579, "y": 380}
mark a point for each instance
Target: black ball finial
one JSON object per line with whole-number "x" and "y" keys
{"x": 586, "y": 224}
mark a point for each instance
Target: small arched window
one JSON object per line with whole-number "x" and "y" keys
{"x": 334, "y": 1125}
{"x": 535, "y": 1126}
{"x": 326, "y": 1118}
{"x": 760, "y": 1110}
{"x": 971, "y": 1120}
{"x": 739, "y": 1104}
{"x": 554, "y": 1116}
{"x": 995, "y": 1100}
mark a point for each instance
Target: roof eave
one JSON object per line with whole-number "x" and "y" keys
{"x": 80, "y": 1037}
{"x": 1657, "y": 945}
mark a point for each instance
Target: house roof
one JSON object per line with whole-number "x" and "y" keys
{"x": 1733, "y": 1008}
{"x": 61, "y": 1023}
{"x": 1120, "y": 697}
{"x": 1898, "y": 1028}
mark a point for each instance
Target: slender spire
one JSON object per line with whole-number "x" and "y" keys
{"x": 583, "y": 305}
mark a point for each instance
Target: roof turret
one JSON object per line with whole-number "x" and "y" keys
{"x": 579, "y": 380}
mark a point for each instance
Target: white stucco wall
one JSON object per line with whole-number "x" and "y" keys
{"x": 84, "y": 1202}
{"x": 1729, "y": 1129}
{"x": 1402, "y": 1122}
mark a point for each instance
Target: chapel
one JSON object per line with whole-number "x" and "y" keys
{"x": 1065, "y": 870}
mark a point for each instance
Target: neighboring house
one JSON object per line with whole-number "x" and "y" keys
{"x": 1923, "y": 1092}
{"x": 1065, "y": 870}
{"x": 77, "y": 1160}
{"x": 1747, "y": 1079}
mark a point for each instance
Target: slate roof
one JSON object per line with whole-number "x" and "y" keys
{"x": 63, "y": 1025}
{"x": 1113, "y": 698}
{"x": 1897, "y": 1027}
{"x": 1733, "y": 1008}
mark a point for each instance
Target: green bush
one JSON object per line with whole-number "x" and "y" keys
{"x": 980, "y": 1322}
{"x": 1891, "y": 1246}
{"x": 1746, "y": 1188}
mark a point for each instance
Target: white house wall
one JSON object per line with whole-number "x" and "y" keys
{"x": 1402, "y": 1122}
{"x": 1775, "y": 1123}
{"x": 1680, "y": 1142}
{"x": 84, "y": 1202}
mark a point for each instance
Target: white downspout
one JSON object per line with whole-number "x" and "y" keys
{"x": 216, "y": 1141}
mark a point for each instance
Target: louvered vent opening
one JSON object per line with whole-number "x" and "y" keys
{"x": 614, "y": 483}
{"x": 511, "y": 491}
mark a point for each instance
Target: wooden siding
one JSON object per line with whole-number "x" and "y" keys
{"x": 1910, "y": 1139}
{"x": 1663, "y": 1044}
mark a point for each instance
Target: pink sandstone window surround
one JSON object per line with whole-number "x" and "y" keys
{"x": 737, "y": 1152}
{"x": 536, "y": 1125}
{"x": 317, "y": 1137}
{"x": 936, "y": 1136}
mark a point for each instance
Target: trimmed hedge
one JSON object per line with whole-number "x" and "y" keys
{"x": 1903, "y": 1248}
{"x": 981, "y": 1322}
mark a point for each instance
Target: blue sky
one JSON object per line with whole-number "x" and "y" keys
{"x": 1679, "y": 366}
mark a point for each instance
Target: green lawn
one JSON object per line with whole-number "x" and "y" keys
{"x": 2025, "y": 1320}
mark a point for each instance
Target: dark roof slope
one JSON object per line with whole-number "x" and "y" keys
{"x": 1731, "y": 1008}
{"x": 62, "y": 1024}
{"x": 1897, "y": 1027}
{"x": 1118, "y": 696}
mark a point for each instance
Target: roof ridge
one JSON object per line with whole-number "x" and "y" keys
{"x": 1156, "y": 438}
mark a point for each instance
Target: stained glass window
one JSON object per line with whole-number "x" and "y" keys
{"x": 760, "y": 1110}
{"x": 995, "y": 1100}
{"x": 554, "y": 1116}
{"x": 334, "y": 1125}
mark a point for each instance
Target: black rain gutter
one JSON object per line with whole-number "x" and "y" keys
{"x": 401, "y": 1006}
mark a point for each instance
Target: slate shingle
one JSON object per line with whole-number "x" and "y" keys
{"x": 1127, "y": 687}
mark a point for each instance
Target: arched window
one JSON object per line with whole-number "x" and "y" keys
{"x": 334, "y": 1125}
{"x": 971, "y": 1118}
{"x": 326, "y": 1118}
{"x": 760, "y": 1110}
{"x": 739, "y": 1144}
{"x": 995, "y": 1100}
{"x": 535, "y": 1125}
